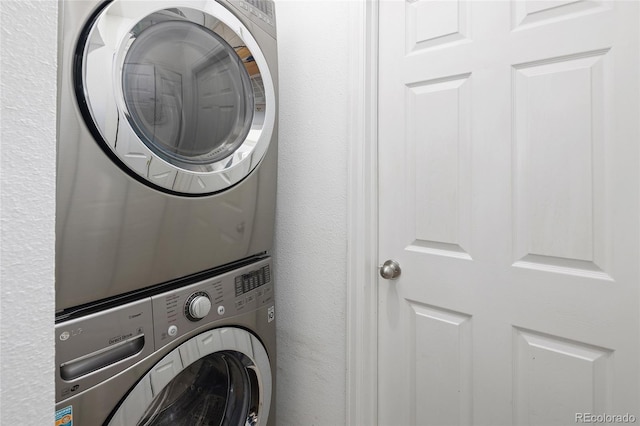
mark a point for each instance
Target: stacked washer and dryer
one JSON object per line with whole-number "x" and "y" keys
{"x": 167, "y": 147}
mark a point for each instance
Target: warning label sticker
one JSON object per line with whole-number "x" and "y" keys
{"x": 64, "y": 417}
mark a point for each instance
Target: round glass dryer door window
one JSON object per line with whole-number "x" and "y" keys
{"x": 181, "y": 98}
{"x": 187, "y": 92}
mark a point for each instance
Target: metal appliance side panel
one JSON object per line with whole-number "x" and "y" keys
{"x": 115, "y": 234}
{"x": 97, "y": 334}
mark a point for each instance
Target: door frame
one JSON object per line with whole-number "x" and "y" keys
{"x": 362, "y": 216}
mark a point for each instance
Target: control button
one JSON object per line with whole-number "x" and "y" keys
{"x": 220, "y": 310}
{"x": 200, "y": 307}
{"x": 239, "y": 286}
{"x": 268, "y": 294}
{"x": 267, "y": 273}
{"x": 251, "y": 298}
{"x": 172, "y": 331}
{"x": 197, "y": 306}
{"x": 240, "y": 303}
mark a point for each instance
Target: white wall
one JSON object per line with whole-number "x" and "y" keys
{"x": 311, "y": 222}
{"x": 312, "y": 212}
{"x": 27, "y": 208}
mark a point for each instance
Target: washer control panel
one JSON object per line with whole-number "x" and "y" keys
{"x": 182, "y": 310}
{"x": 95, "y": 347}
{"x": 261, "y": 12}
{"x": 245, "y": 285}
{"x": 261, "y": 9}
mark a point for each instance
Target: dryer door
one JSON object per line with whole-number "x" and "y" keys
{"x": 220, "y": 377}
{"x": 178, "y": 93}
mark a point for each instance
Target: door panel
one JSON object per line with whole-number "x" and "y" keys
{"x": 508, "y": 140}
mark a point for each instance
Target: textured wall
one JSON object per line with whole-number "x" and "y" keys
{"x": 28, "y": 43}
{"x": 311, "y": 217}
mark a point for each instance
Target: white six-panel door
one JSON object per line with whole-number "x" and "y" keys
{"x": 509, "y": 192}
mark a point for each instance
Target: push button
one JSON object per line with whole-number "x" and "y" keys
{"x": 172, "y": 331}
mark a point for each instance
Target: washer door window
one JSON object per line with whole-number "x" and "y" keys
{"x": 181, "y": 97}
{"x": 220, "y": 389}
{"x": 228, "y": 384}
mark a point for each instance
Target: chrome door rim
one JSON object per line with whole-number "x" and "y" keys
{"x": 108, "y": 40}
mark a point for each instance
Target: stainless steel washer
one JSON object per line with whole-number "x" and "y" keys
{"x": 167, "y": 141}
{"x": 198, "y": 355}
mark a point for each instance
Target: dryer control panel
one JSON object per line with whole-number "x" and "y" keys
{"x": 185, "y": 309}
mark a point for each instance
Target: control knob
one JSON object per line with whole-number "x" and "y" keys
{"x": 197, "y": 306}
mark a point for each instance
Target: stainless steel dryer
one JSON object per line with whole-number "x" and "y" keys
{"x": 198, "y": 355}
{"x": 167, "y": 140}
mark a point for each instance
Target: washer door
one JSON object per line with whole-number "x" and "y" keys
{"x": 177, "y": 92}
{"x": 220, "y": 377}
